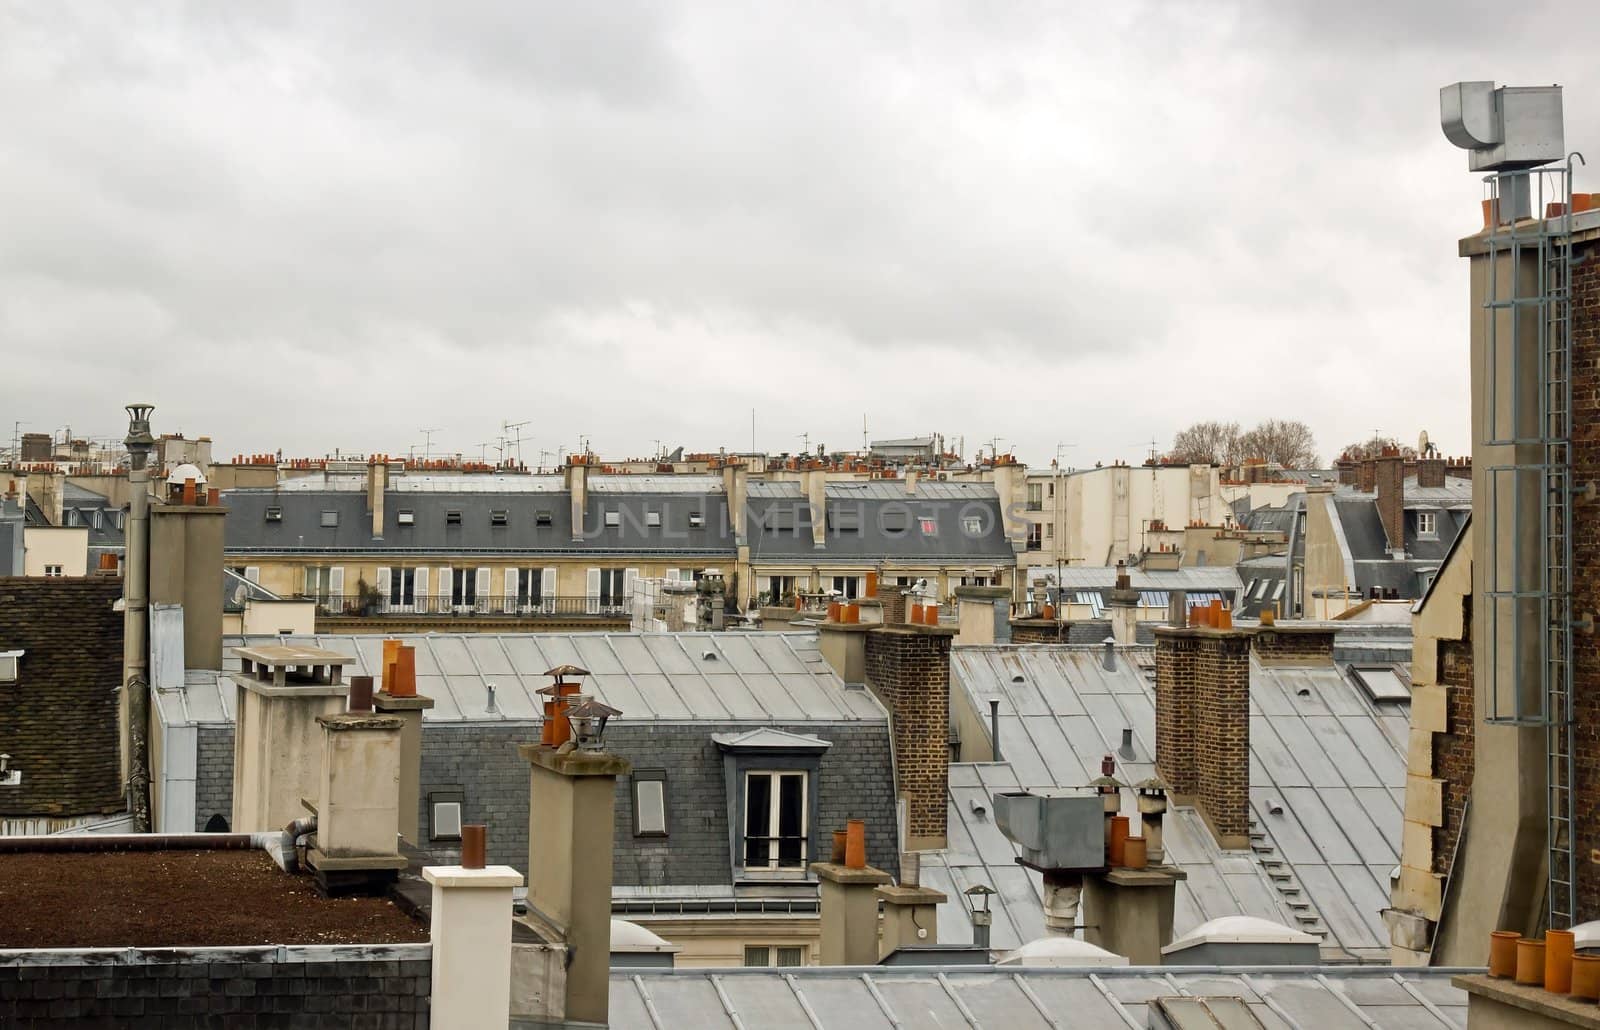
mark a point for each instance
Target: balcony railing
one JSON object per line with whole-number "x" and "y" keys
{"x": 483, "y": 605}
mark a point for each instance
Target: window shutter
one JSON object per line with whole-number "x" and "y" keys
{"x": 383, "y": 585}
{"x": 484, "y": 589}
{"x": 628, "y": 576}
{"x": 336, "y": 583}
{"x": 445, "y": 580}
{"x": 764, "y": 586}
{"x": 311, "y": 581}
{"x": 252, "y": 573}
{"x": 591, "y": 602}
{"x": 547, "y": 588}
{"x": 511, "y": 590}
{"x": 673, "y": 575}
{"x": 419, "y": 589}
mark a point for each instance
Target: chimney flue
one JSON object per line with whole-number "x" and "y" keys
{"x": 360, "y": 693}
{"x": 994, "y": 727}
{"x": 474, "y": 845}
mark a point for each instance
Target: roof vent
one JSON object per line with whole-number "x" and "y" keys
{"x": 1242, "y": 941}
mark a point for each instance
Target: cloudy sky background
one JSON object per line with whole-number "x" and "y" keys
{"x": 318, "y": 226}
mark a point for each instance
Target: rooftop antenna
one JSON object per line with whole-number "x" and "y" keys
{"x": 507, "y": 427}
{"x": 427, "y": 442}
{"x": 866, "y": 444}
{"x": 805, "y": 443}
{"x": 16, "y": 439}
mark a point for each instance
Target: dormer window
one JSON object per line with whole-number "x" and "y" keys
{"x": 406, "y": 517}
{"x": 452, "y": 517}
{"x": 543, "y": 517}
{"x": 697, "y": 519}
{"x": 330, "y": 519}
{"x": 613, "y": 519}
{"x": 652, "y": 518}
{"x": 499, "y": 517}
{"x": 1427, "y": 523}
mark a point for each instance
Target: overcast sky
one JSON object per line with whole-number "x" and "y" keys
{"x": 318, "y": 226}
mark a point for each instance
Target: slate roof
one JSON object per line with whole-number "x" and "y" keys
{"x": 60, "y": 724}
{"x": 758, "y": 678}
{"x": 1332, "y": 760}
{"x": 1021, "y": 998}
{"x": 81, "y": 507}
{"x": 300, "y": 528}
{"x": 1090, "y": 577}
{"x": 873, "y": 520}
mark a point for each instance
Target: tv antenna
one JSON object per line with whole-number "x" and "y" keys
{"x": 427, "y": 442}
{"x": 507, "y": 427}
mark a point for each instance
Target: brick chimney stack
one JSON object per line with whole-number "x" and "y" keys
{"x": 1430, "y": 472}
{"x": 1367, "y": 475}
{"x": 1203, "y": 724}
{"x": 1390, "y": 479}
{"x": 908, "y": 668}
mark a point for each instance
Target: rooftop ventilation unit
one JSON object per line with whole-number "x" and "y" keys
{"x": 1055, "y": 831}
{"x": 1503, "y": 128}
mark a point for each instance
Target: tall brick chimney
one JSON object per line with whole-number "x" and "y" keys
{"x": 1203, "y": 725}
{"x": 1430, "y": 472}
{"x": 1391, "y": 498}
{"x": 1367, "y": 475}
{"x": 908, "y": 668}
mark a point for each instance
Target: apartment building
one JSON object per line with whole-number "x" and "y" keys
{"x": 1103, "y": 515}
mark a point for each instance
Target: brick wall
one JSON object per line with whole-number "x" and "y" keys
{"x": 1430, "y": 472}
{"x": 1367, "y": 476}
{"x": 1038, "y": 631}
{"x": 1175, "y": 671}
{"x": 1295, "y": 647}
{"x": 60, "y": 723}
{"x": 175, "y": 989}
{"x": 1586, "y": 573}
{"x": 1452, "y": 750}
{"x": 1392, "y": 500}
{"x": 1222, "y": 736}
{"x": 909, "y": 670}
{"x": 894, "y": 604}
{"x": 213, "y": 788}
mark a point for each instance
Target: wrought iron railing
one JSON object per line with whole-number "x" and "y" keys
{"x": 478, "y": 606}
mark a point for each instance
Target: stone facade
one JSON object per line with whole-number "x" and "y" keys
{"x": 909, "y": 670}
{"x": 380, "y": 987}
{"x": 60, "y": 723}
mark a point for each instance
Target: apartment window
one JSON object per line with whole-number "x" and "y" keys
{"x": 330, "y": 519}
{"x": 463, "y": 587}
{"x": 1035, "y": 496}
{"x": 402, "y": 588}
{"x": 844, "y": 519}
{"x": 849, "y": 586}
{"x": 613, "y": 519}
{"x": 1427, "y": 523}
{"x": 775, "y": 820}
{"x": 696, "y": 519}
{"x": 972, "y": 525}
{"x": 530, "y": 587}
{"x": 649, "y": 803}
{"x": 452, "y": 517}
{"x": 761, "y": 955}
{"x": 54, "y": 571}
{"x": 652, "y": 518}
{"x": 1035, "y": 536}
{"x": 611, "y": 587}
{"x": 928, "y": 524}
{"x": 543, "y": 517}
{"x": 1049, "y": 531}
{"x": 407, "y": 517}
{"x": 274, "y": 514}
{"x": 776, "y": 589}
{"x": 893, "y": 520}
{"x": 499, "y": 517}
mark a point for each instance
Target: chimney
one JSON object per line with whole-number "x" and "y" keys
{"x": 577, "y": 476}
{"x": 185, "y": 568}
{"x": 470, "y": 931}
{"x": 1367, "y": 475}
{"x": 572, "y": 797}
{"x": 1390, "y": 478}
{"x": 1203, "y": 724}
{"x": 397, "y": 696}
{"x": 377, "y": 484}
{"x": 911, "y": 481}
{"x": 358, "y": 803}
{"x": 735, "y": 486}
{"x": 849, "y": 903}
{"x": 910, "y": 913}
{"x": 1348, "y": 471}
{"x": 1293, "y": 644}
{"x": 983, "y": 615}
{"x": 908, "y": 668}
{"x": 1123, "y": 602}
{"x": 816, "y": 487}
{"x": 1430, "y": 472}
{"x": 277, "y": 741}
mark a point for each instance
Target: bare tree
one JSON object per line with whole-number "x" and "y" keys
{"x": 1288, "y": 443}
{"x": 1206, "y": 443}
{"x": 1366, "y": 450}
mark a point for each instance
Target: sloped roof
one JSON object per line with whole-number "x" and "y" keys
{"x": 652, "y": 677}
{"x": 1023, "y": 998}
{"x": 1090, "y": 577}
{"x": 1330, "y": 761}
{"x": 873, "y": 520}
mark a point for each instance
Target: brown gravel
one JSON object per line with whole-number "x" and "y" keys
{"x": 195, "y": 899}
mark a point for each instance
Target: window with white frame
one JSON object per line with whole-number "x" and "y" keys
{"x": 402, "y": 588}
{"x": 849, "y": 586}
{"x": 972, "y": 525}
{"x": 54, "y": 571}
{"x": 1035, "y": 536}
{"x": 612, "y": 582}
{"x": 649, "y": 803}
{"x": 324, "y": 584}
{"x": 463, "y": 587}
{"x": 1035, "y": 496}
{"x": 1427, "y": 523}
{"x": 531, "y": 587}
{"x": 778, "y": 589}
{"x": 775, "y": 820}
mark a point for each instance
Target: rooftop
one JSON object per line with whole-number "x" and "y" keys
{"x": 181, "y": 898}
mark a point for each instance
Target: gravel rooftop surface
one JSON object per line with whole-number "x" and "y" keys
{"x": 195, "y": 899}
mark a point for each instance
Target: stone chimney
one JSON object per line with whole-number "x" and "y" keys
{"x": 1203, "y": 724}
{"x": 816, "y": 487}
{"x": 908, "y": 668}
{"x": 358, "y": 804}
{"x": 577, "y": 483}
{"x": 572, "y": 797}
{"x": 1390, "y": 478}
{"x": 983, "y": 615}
{"x": 185, "y": 568}
{"x": 736, "y": 487}
{"x": 398, "y": 697}
{"x": 1123, "y": 603}
{"x": 277, "y": 741}
{"x": 849, "y": 903}
{"x": 377, "y": 483}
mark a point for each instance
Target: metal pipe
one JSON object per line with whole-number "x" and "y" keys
{"x": 136, "y": 616}
{"x": 994, "y": 726}
{"x": 82, "y": 842}
{"x": 289, "y": 841}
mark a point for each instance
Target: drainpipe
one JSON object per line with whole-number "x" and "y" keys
{"x": 136, "y": 614}
{"x": 994, "y": 726}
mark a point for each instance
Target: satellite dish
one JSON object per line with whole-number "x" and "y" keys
{"x": 240, "y": 593}
{"x": 1422, "y": 444}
